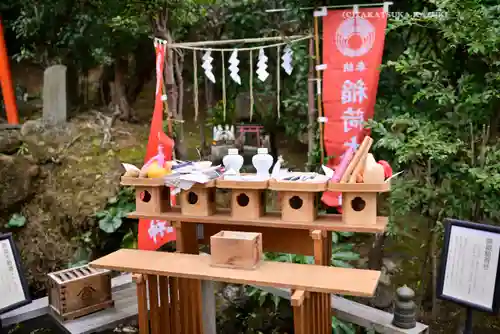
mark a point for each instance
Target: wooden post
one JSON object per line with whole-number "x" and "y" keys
{"x": 142, "y": 303}
{"x": 165, "y": 326}
{"x": 6, "y": 81}
{"x": 311, "y": 113}
{"x": 298, "y": 305}
{"x": 321, "y": 301}
{"x": 154, "y": 309}
{"x": 319, "y": 84}
{"x": 208, "y": 309}
{"x": 190, "y": 300}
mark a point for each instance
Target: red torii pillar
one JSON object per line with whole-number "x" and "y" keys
{"x": 6, "y": 82}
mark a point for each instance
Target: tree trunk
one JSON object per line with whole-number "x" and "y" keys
{"x": 144, "y": 69}
{"x": 311, "y": 115}
{"x": 181, "y": 145}
{"x": 105, "y": 83}
{"x": 434, "y": 251}
{"x": 376, "y": 254}
{"x": 202, "y": 116}
{"x": 72, "y": 85}
{"x": 160, "y": 23}
{"x": 119, "y": 97}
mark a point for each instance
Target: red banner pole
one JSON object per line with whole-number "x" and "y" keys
{"x": 6, "y": 82}
{"x": 318, "y": 93}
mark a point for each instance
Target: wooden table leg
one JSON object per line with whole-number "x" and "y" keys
{"x": 298, "y": 305}
{"x": 142, "y": 303}
{"x": 165, "y": 325}
{"x": 320, "y": 301}
{"x": 154, "y": 308}
{"x": 189, "y": 289}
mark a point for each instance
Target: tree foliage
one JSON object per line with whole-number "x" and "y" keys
{"x": 438, "y": 106}
{"x": 438, "y": 112}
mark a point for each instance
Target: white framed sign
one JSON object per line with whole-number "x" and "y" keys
{"x": 470, "y": 268}
{"x": 13, "y": 288}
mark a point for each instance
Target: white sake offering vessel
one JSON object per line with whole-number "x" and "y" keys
{"x": 233, "y": 161}
{"x": 262, "y": 162}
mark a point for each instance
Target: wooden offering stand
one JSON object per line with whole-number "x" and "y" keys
{"x": 359, "y": 200}
{"x": 173, "y": 281}
{"x": 298, "y": 199}
{"x": 199, "y": 200}
{"x": 247, "y": 197}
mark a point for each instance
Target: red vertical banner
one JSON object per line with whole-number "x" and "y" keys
{"x": 155, "y": 233}
{"x": 353, "y": 43}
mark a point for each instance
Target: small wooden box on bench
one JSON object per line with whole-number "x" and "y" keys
{"x": 238, "y": 250}
{"x": 79, "y": 291}
{"x": 247, "y": 197}
{"x": 151, "y": 195}
{"x": 298, "y": 199}
{"x": 199, "y": 200}
{"x": 359, "y": 201}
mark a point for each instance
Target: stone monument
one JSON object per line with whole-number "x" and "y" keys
{"x": 55, "y": 102}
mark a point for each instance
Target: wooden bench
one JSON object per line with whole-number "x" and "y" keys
{"x": 173, "y": 283}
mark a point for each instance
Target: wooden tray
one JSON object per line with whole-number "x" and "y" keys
{"x": 297, "y": 186}
{"x": 142, "y": 181}
{"x": 241, "y": 184}
{"x": 209, "y": 184}
{"x": 359, "y": 187}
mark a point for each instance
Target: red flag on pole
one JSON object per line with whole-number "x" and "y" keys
{"x": 9, "y": 97}
{"x": 155, "y": 233}
{"x": 353, "y": 43}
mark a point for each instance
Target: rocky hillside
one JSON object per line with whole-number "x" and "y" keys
{"x": 54, "y": 180}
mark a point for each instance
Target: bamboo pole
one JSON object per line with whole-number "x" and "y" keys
{"x": 318, "y": 94}
{"x": 311, "y": 110}
{"x": 378, "y": 4}
{"x": 236, "y": 41}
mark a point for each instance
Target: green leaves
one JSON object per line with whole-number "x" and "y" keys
{"x": 342, "y": 254}
{"x": 111, "y": 218}
{"x": 340, "y": 327}
{"x": 129, "y": 240}
{"x": 16, "y": 220}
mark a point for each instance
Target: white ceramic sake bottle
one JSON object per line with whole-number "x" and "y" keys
{"x": 233, "y": 161}
{"x": 262, "y": 162}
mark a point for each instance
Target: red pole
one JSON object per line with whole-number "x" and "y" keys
{"x": 6, "y": 82}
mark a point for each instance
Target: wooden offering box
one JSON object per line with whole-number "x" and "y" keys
{"x": 199, "y": 200}
{"x": 359, "y": 201}
{"x": 79, "y": 291}
{"x": 247, "y": 197}
{"x": 238, "y": 250}
{"x": 298, "y": 199}
{"x": 151, "y": 195}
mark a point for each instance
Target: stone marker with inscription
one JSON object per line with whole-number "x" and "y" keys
{"x": 55, "y": 103}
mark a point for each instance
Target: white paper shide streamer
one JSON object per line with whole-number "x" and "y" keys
{"x": 287, "y": 58}
{"x": 233, "y": 67}
{"x": 207, "y": 65}
{"x": 262, "y": 73}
